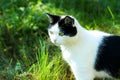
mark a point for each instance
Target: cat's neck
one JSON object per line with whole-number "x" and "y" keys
{"x": 79, "y": 38}
{"x": 82, "y": 32}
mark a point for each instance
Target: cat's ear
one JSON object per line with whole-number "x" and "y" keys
{"x": 69, "y": 20}
{"x": 53, "y": 18}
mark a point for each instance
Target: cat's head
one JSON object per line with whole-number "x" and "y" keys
{"x": 62, "y": 29}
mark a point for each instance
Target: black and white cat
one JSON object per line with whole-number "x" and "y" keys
{"x": 90, "y": 54}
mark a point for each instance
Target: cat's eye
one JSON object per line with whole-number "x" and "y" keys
{"x": 51, "y": 32}
{"x": 61, "y": 34}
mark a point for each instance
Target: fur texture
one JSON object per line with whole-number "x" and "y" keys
{"x": 90, "y": 54}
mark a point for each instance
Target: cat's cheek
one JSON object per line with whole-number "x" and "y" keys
{"x": 60, "y": 41}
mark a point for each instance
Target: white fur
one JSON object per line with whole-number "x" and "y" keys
{"x": 80, "y": 51}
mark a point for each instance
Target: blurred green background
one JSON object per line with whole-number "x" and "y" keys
{"x": 25, "y": 49}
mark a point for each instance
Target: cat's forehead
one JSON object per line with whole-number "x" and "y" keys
{"x": 62, "y": 18}
{"x": 58, "y": 20}
{"x": 53, "y": 19}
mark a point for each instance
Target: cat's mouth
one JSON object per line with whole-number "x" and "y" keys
{"x": 56, "y": 43}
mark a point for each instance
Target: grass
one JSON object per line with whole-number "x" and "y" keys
{"x": 25, "y": 49}
{"x": 48, "y": 66}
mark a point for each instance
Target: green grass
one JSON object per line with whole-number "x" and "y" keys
{"x": 25, "y": 49}
{"x": 48, "y": 66}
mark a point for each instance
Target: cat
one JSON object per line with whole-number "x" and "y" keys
{"x": 90, "y": 53}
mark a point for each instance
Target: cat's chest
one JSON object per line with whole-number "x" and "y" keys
{"x": 78, "y": 54}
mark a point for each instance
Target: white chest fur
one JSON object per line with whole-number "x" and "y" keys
{"x": 81, "y": 57}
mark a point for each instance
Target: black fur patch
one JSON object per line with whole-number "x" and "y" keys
{"x": 56, "y": 19}
{"x": 53, "y": 18}
{"x": 67, "y": 28}
{"x": 108, "y": 58}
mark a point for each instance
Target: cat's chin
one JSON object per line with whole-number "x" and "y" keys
{"x": 57, "y": 44}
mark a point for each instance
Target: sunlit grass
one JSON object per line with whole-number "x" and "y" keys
{"x": 48, "y": 66}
